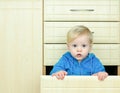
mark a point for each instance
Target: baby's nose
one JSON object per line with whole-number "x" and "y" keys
{"x": 79, "y": 49}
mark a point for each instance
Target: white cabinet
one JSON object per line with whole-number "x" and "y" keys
{"x": 101, "y": 16}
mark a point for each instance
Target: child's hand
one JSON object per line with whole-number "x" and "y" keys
{"x": 60, "y": 74}
{"x": 101, "y": 75}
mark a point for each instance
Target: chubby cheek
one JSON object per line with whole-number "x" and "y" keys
{"x": 73, "y": 52}
{"x": 86, "y": 51}
{"x": 70, "y": 49}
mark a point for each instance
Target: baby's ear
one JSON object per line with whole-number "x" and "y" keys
{"x": 67, "y": 46}
{"x": 91, "y": 47}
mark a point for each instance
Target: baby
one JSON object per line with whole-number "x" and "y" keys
{"x": 78, "y": 60}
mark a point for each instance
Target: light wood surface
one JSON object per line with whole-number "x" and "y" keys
{"x": 82, "y": 10}
{"x": 80, "y": 84}
{"x": 109, "y": 54}
{"x": 20, "y": 46}
{"x": 118, "y": 70}
{"x": 103, "y": 32}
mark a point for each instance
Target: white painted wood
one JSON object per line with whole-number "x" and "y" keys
{"x": 103, "y": 32}
{"x": 109, "y": 54}
{"x": 80, "y": 84}
{"x": 20, "y": 46}
{"x": 83, "y": 10}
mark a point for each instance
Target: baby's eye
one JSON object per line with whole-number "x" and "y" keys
{"x": 74, "y": 45}
{"x": 84, "y": 45}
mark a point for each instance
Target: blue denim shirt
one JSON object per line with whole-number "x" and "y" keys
{"x": 90, "y": 65}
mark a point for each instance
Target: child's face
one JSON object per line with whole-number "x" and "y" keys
{"x": 80, "y": 47}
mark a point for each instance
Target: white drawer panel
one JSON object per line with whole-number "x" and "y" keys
{"x": 80, "y": 84}
{"x": 104, "y": 32}
{"x": 109, "y": 54}
{"x": 82, "y": 10}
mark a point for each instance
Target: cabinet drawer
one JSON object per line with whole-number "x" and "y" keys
{"x": 81, "y": 10}
{"x": 80, "y": 84}
{"x": 109, "y": 54}
{"x": 104, "y": 32}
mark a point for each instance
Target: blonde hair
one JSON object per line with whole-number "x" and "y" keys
{"x": 76, "y": 31}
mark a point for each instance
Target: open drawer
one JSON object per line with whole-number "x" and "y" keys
{"x": 80, "y": 84}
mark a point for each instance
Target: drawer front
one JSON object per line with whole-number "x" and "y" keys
{"x": 109, "y": 54}
{"x": 81, "y": 10}
{"x": 104, "y": 32}
{"x": 79, "y": 84}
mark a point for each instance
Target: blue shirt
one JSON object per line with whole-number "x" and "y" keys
{"x": 88, "y": 66}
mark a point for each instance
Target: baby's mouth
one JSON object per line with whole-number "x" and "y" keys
{"x": 79, "y": 55}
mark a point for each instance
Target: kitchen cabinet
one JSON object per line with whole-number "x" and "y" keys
{"x": 101, "y": 16}
{"x": 20, "y": 46}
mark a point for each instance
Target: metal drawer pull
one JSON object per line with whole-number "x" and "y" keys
{"x": 77, "y": 10}
{"x": 92, "y": 32}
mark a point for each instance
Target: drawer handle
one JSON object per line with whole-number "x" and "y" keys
{"x": 92, "y": 32}
{"x": 77, "y": 10}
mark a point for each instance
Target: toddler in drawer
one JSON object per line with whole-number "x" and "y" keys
{"x": 78, "y": 60}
